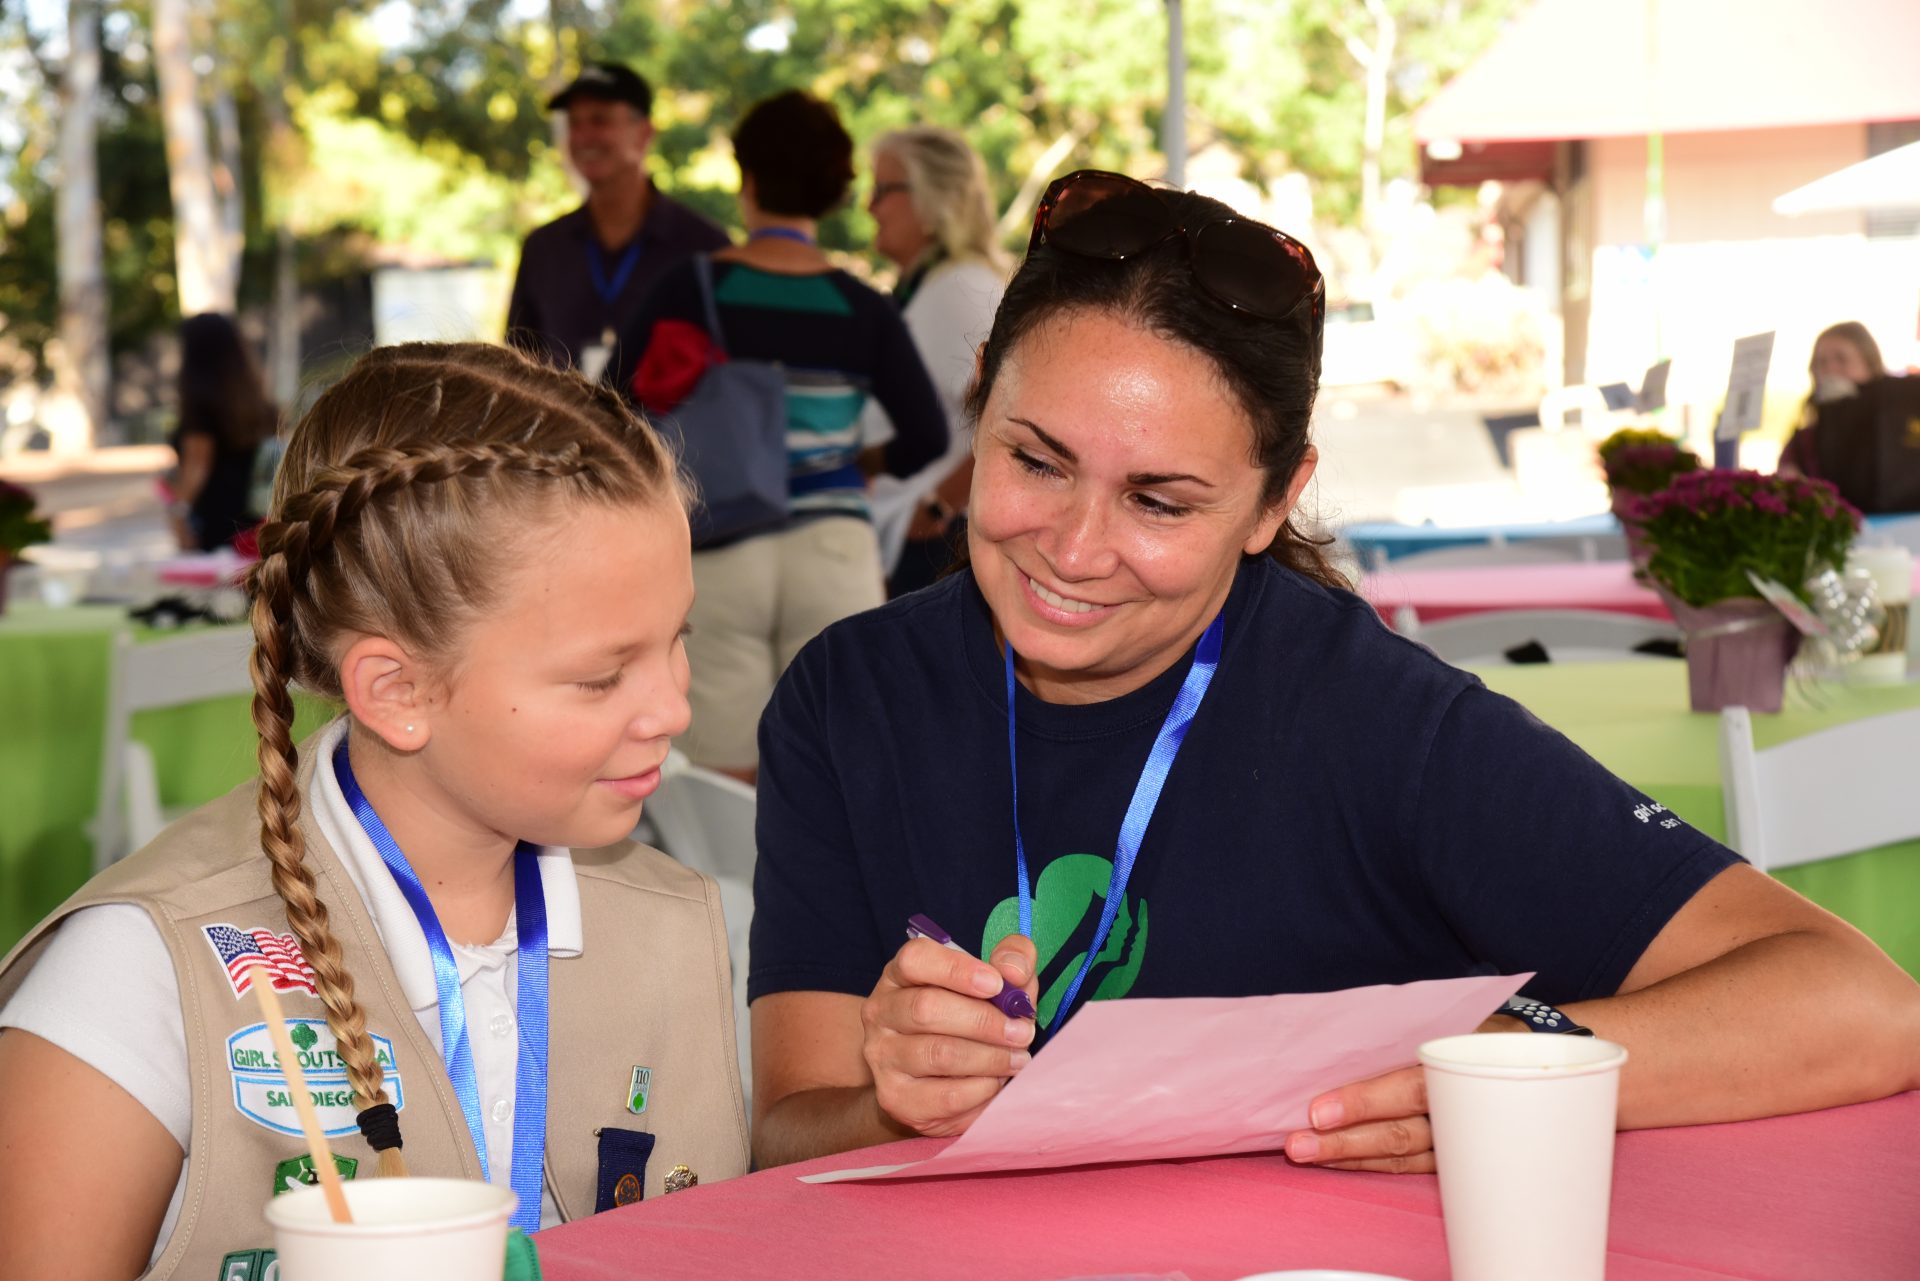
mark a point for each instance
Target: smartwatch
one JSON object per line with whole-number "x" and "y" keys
{"x": 1538, "y": 1016}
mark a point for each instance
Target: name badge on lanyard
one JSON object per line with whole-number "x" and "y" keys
{"x": 1146, "y": 796}
{"x": 530, "y": 1000}
{"x": 607, "y": 286}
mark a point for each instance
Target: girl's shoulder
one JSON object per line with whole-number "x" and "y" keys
{"x": 630, "y": 865}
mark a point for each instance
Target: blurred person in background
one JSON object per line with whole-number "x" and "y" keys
{"x": 933, "y": 215}
{"x": 582, "y": 275}
{"x": 780, "y": 300}
{"x": 1845, "y": 358}
{"x": 224, "y": 417}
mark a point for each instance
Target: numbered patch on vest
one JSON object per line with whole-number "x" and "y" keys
{"x": 250, "y": 1265}
{"x": 240, "y": 950}
{"x": 260, "y": 1091}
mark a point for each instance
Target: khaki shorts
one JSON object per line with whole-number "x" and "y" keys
{"x": 756, "y": 603}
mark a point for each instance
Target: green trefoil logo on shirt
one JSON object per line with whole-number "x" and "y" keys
{"x": 1071, "y": 890}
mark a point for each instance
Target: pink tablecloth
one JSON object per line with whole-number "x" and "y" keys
{"x": 1821, "y": 1197}
{"x": 223, "y": 568}
{"x": 1435, "y": 594}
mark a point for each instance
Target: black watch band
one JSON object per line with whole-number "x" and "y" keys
{"x": 1538, "y": 1016}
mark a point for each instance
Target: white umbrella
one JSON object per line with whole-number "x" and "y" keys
{"x": 1890, "y": 180}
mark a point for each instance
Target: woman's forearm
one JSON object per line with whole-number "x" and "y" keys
{"x": 1787, "y": 1023}
{"x": 811, "y": 1123}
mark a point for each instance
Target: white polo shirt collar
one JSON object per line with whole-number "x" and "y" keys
{"x": 393, "y": 919}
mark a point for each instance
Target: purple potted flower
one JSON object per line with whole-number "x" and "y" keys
{"x": 1638, "y": 461}
{"x": 1712, "y": 532}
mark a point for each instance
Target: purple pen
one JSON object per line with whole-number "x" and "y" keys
{"x": 1010, "y": 1000}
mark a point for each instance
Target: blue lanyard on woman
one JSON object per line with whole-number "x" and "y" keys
{"x": 1146, "y": 795}
{"x": 530, "y": 1073}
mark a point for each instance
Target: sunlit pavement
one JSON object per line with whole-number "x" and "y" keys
{"x": 1396, "y": 455}
{"x": 1383, "y": 455}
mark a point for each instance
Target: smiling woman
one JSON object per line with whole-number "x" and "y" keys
{"x": 1147, "y": 744}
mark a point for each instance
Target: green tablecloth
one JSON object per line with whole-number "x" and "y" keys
{"x": 1633, "y": 718}
{"x": 53, "y": 706}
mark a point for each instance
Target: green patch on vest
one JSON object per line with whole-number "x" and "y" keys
{"x": 299, "y": 1172}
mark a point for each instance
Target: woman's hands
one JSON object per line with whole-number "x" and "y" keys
{"x": 938, "y": 1049}
{"x": 1379, "y": 1124}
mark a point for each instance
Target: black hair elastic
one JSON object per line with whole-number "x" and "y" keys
{"x": 381, "y": 1125}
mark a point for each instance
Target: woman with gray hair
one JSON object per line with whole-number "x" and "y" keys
{"x": 934, "y": 216}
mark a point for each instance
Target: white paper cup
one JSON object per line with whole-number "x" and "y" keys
{"x": 1523, "y": 1127}
{"x": 453, "y": 1228}
{"x": 1891, "y": 569}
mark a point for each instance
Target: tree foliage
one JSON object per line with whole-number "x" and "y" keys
{"x": 422, "y": 127}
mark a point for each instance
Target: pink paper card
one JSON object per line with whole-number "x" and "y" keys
{"x": 1154, "y": 1079}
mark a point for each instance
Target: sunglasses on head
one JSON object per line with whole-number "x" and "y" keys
{"x": 1241, "y": 264}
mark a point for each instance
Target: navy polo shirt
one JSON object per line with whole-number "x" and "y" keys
{"x": 1346, "y": 810}
{"x": 557, "y": 310}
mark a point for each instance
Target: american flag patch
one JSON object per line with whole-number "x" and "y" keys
{"x": 240, "y": 950}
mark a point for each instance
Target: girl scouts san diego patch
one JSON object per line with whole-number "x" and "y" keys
{"x": 260, "y": 1089}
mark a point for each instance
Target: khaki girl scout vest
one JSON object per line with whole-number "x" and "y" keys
{"x": 641, "y": 1031}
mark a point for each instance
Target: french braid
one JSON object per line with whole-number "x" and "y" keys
{"x": 387, "y": 482}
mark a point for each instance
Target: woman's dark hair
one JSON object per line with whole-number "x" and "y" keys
{"x": 220, "y": 390}
{"x": 1272, "y": 367}
{"x": 799, "y": 156}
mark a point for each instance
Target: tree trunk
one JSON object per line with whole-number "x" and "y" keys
{"x": 283, "y": 169}
{"x": 202, "y": 268}
{"x": 1379, "y": 65}
{"x": 227, "y": 166}
{"x": 80, "y": 358}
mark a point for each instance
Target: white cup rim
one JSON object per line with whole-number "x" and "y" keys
{"x": 1532, "y": 1055}
{"x": 282, "y": 1212}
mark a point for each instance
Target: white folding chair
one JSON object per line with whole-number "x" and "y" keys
{"x": 1596, "y": 416}
{"x": 189, "y": 668}
{"x": 1568, "y": 635}
{"x": 1837, "y": 791}
{"x": 705, "y": 820}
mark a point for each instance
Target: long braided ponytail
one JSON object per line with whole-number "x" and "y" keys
{"x": 391, "y": 493}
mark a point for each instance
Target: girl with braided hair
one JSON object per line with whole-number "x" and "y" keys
{"x": 487, "y": 562}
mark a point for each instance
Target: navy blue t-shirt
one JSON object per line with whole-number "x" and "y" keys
{"x": 1346, "y": 810}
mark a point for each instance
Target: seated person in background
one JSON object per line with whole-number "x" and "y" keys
{"x": 486, "y": 559}
{"x": 1310, "y": 802}
{"x": 1845, "y": 357}
{"x": 780, "y": 300}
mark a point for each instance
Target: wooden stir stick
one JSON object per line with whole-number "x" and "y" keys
{"x": 262, "y": 981}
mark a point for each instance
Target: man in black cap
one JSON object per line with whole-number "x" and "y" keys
{"x": 583, "y": 274}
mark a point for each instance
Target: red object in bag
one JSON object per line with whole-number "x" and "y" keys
{"x": 678, "y": 354}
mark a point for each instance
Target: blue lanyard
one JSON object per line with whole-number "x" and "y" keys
{"x": 609, "y": 288}
{"x": 1146, "y": 795}
{"x": 530, "y": 1073}
{"x": 781, "y": 233}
